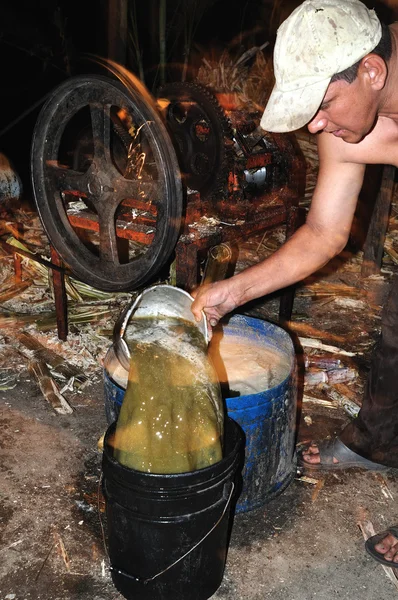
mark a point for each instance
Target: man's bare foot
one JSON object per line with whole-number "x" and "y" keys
{"x": 388, "y": 547}
{"x": 312, "y": 455}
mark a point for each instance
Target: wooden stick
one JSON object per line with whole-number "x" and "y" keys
{"x": 318, "y": 487}
{"x": 62, "y": 550}
{"x": 374, "y": 244}
{"x": 368, "y": 531}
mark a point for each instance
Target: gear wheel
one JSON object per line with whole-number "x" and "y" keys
{"x": 201, "y": 133}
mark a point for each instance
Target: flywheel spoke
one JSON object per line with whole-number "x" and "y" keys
{"x": 107, "y": 236}
{"x": 64, "y": 179}
{"x": 101, "y": 128}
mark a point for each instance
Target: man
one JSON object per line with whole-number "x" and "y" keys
{"x": 336, "y": 70}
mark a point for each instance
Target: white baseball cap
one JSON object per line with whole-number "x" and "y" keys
{"x": 319, "y": 39}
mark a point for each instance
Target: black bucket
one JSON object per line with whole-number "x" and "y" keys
{"x": 168, "y": 534}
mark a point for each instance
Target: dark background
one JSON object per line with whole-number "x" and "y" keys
{"x": 41, "y": 44}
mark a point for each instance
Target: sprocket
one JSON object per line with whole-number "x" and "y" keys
{"x": 202, "y": 135}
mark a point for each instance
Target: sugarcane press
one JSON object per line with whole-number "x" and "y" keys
{"x": 124, "y": 183}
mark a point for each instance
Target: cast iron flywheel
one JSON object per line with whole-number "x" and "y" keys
{"x": 106, "y": 182}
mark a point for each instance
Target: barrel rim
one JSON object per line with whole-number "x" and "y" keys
{"x": 263, "y": 396}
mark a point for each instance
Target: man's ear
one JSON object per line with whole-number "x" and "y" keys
{"x": 374, "y": 69}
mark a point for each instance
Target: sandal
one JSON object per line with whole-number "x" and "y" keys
{"x": 329, "y": 449}
{"x": 376, "y": 539}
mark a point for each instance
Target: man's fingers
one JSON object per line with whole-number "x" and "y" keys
{"x": 197, "y": 312}
{"x": 207, "y": 298}
{"x": 198, "y": 316}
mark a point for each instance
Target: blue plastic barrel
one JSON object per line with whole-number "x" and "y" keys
{"x": 268, "y": 418}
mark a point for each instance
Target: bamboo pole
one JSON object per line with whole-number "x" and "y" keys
{"x": 373, "y": 249}
{"x": 117, "y": 30}
{"x": 135, "y": 40}
{"x": 162, "y": 40}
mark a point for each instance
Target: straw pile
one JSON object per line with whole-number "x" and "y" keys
{"x": 28, "y": 319}
{"x": 250, "y": 76}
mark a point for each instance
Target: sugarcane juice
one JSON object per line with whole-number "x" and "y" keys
{"x": 171, "y": 419}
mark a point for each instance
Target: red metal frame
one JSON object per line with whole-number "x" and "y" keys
{"x": 206, "y": 224}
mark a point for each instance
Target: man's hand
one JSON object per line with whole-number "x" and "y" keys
{"x": 215, "y": 299}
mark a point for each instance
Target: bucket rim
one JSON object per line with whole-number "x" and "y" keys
{"x": 195, "y": 479}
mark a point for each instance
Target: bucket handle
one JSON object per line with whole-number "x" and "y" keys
{"x": 148, "y": 579}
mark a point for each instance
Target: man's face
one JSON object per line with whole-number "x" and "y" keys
{"x": 347, "y": 111}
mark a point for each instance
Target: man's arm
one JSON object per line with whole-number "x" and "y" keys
{"x": 322, "y": 237}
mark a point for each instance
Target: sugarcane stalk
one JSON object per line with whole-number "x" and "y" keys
{"x": 312, "y": 343}
{"x": 74, "y": 289}
{"x": 322, "y": 362}
{"x": 14, "y": 290}
{"x": 51, "y": 358}
{"x": 49, "y": 388}
{"x": 346, "y": 404}
{"x": 391, "y": 253}
{"x": 331, "y": 376}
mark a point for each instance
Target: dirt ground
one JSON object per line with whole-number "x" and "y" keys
{"x": 305, "y": 544}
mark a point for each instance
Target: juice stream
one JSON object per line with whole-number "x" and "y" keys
{"x": 171, "y": 419}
